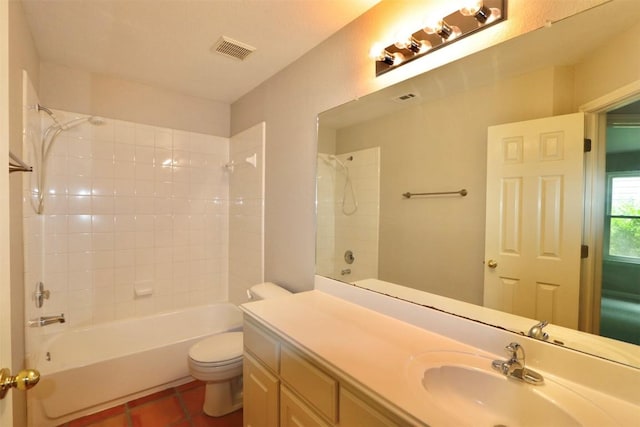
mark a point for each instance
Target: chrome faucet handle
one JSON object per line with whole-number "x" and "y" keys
{"x": 537, "y": 332}
{"x": 514, "y": 348}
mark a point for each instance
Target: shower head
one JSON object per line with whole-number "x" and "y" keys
{"x": 39, "y": 107}
{"x": 333, "y": 157}
{"x": 94, "y": 120}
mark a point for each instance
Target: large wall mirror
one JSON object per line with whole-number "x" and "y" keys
{"x": 429, "y": 134}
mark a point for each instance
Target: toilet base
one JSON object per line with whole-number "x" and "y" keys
{"x": 221, "y": 398}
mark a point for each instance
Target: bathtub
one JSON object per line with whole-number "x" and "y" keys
{"x": 89, "y": 369}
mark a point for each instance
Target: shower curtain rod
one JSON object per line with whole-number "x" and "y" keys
{"x": 17, "y": 165}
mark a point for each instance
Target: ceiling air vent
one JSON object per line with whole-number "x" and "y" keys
{"x": 232, "y": 48}
{"x": 407, "y": 97}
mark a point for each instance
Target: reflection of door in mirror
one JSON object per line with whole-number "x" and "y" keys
{"x": 348, "y": 206}
{"x": 533, "y": 222}
{"x": 620, "y": 303}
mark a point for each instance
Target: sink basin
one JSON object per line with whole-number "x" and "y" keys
{"x": 465, "y": 387}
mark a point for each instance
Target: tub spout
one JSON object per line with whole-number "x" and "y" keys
{"x": 46, "y": 320}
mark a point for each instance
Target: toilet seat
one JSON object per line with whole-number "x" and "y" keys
{"x": 217, "y": 358}
{"x": 218, "y": 350}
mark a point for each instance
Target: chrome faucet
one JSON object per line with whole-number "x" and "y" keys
{"x": 46, "y": 320}
{"x": 537, "y": 332}
{"x": 515, "y": 366}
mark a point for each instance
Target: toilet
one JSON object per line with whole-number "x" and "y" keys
{"x": 217, "y": 360}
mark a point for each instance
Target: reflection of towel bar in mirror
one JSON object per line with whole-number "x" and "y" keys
{"x": 408, "y": 195}
{"x": 17, "y": 165}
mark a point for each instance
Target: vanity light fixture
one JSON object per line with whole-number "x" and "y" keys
{"x": 473, "y": 16}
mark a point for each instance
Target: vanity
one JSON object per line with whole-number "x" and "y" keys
{"x": 332, "y": 357}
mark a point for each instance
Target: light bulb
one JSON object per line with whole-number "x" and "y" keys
{"x": 403, "y": 40}
{"x": 377, "y": 52}
{"x": 444, "y": 30}
{"x": 425, "y": 46}
{"x": 415, "y": 46}
{"x": 432, "y": 26}
{"x": 478, "y": 10}
{"x": 398, "y": 58}
{"x": 495, "y": 15}
{"x": 471, "y": 7}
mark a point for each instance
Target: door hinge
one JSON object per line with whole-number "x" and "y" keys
{"x": 587, "y": 145}
{"x": 584, "y": 251}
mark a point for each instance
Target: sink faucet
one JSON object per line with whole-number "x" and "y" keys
{"x": 46, "y": 320}
{"x": 515, "y": 366}
{"x": 537, "y": 332}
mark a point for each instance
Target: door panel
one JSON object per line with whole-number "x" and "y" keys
{"x": 534, "y": 218}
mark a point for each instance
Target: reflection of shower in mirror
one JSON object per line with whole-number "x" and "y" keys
{"x": 348, "y": 192}
{"x": 348, "y": 197}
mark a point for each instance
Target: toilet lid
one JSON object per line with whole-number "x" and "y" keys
{"x": 218, "y": 348}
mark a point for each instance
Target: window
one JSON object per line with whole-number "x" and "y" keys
{"x": 622, "y": 227}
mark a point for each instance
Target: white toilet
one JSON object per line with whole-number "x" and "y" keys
{"x": 217, "y": 360}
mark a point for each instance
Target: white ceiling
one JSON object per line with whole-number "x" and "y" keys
{"x": 166, "y": 43}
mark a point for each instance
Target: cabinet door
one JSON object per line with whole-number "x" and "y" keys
{"x": 294, "y": 413}
{"x": 260, "y": 395}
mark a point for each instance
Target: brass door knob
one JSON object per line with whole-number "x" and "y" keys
{"x": 25, "y": 379}
{"x": 492, "y": 263}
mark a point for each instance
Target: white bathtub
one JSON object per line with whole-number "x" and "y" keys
{"x": 91, "y": 368}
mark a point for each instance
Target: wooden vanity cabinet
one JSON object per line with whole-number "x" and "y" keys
{"x": 284, "y": 386}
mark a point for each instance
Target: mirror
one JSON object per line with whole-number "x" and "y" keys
{"x": 429, "y": 134}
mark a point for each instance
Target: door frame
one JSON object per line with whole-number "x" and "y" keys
{"x": 6, "y": 405}
{"x": 594, "y": 200}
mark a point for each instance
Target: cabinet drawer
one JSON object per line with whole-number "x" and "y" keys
{"x": 262, "y": 345}
{"x": 295, "y": 413}
{"x": 310, "y": 383}
{"x": 354, "y": 412}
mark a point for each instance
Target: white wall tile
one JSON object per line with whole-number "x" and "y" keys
{"x": 124, "y": 132}
{"x": 115, "y": 216}
{"x": 124, "y": 152}
{"x": 144, "y": 135}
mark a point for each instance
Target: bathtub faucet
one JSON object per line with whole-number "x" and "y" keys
{"x": 46, "y": 320}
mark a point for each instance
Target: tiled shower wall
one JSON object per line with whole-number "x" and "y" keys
{"x": 135, "y": 221}
{"x": 325, "y": 213}
{"x": 356, "y": 230}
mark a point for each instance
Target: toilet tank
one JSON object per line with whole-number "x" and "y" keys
{"x": 265, "y": 291}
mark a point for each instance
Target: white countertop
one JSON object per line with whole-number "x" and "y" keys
{"x": 370, "y": 349}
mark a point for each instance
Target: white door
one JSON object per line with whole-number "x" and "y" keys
{"x": 6, "y": 415}
{"x": 534, "y": 218}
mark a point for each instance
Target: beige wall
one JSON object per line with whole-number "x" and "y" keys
{"x": 618, "y": 60}
{"x": 97, "y": 94}
{"x": 22, "y": 55}
{"x": 290, "y": 101}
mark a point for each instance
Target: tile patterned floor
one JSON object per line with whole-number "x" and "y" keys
{"x": 175, "y": 407}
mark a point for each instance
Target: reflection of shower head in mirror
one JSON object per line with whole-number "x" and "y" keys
{"x": 340, "y": 162}
{"x": 348, "y": 184}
